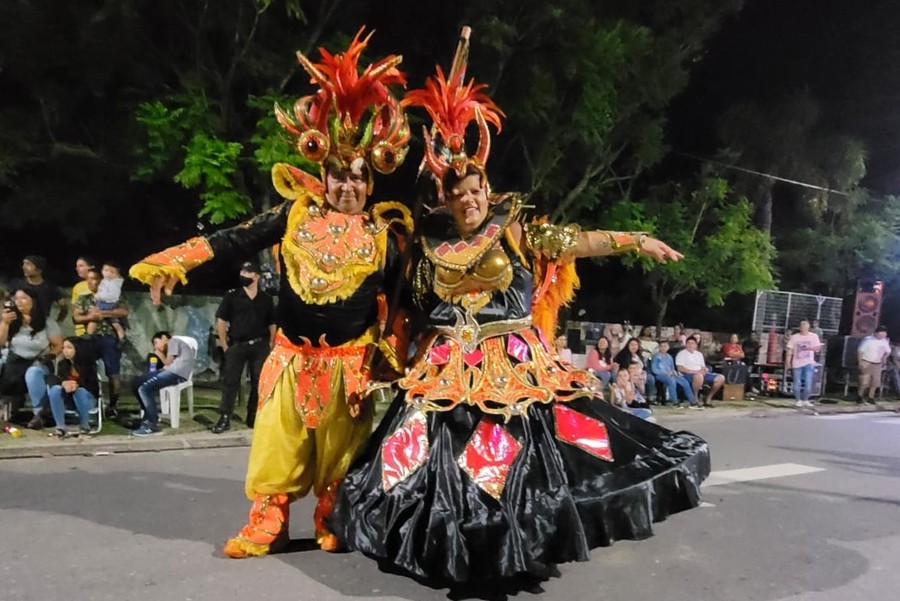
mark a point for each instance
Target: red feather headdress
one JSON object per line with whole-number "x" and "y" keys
{"x": 332, "y": 123}
{"x": 453, "y": 105}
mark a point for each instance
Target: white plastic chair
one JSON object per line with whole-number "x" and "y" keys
{"x": 170, "y": 396}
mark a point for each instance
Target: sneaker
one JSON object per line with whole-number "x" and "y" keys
{"x": 147, "y": 429}
{"x": 799, "y": 404}
{"x": 112, "y": 413}
{"x": 36, "y": 423}
{"x": 695, "y": 407}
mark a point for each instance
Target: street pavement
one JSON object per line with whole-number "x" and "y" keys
{"x": 799, "y": 508}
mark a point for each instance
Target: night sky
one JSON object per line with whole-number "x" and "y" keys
{"x": 846, "y": 53}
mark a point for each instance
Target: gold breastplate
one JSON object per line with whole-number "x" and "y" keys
{"x": 467, "y": 272}
{"x": 492, "y": 272}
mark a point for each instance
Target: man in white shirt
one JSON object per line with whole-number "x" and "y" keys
{"x": 690, "y": 362}
{"x": 872, "y": 353}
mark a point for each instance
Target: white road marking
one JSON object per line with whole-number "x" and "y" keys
{"x": 895, "y": 421}
{"x": 706, "y": 504}
{"x": 762, "y": 472}
{"x": 840, "y": 416}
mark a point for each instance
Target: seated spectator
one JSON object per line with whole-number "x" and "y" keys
{"x": 77, "y": 375}
{"x": 678, "y": 339}
{"x": 626, "y": 396}
{"x": 733, "y": 350}
{"x": 178, "y": 363}
{"x": 649, "y": 345}
{"x": 34, "y": 340}
{"x": 662, "y": 366}
{"x": 615, "y": 333}
{"x": 632, "y": 354}
{"x": 690, "y": 362}
{"x": 562, "y": 350}
{"x": 599, "y": 361}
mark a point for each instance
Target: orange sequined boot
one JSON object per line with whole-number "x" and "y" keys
{"x": 326, "y": 539}
{"x": 266, "y": 530}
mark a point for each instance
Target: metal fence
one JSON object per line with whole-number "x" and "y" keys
{"x": 782, "y": 311}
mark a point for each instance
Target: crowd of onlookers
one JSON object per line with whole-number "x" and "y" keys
{"x": 54, "y": 374}
{"x": 637, "y": 369}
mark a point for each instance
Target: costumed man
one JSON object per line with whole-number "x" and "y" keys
{"x": 496, "y": 458}
{"x": 336, "y": 258}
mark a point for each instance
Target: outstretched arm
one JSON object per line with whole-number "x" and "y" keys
{"x": 163, "y": 270}
{"x": 558, "y": 241}
{"x": 601, "y": 243}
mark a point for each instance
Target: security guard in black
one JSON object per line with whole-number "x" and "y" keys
{"x": 245, "y": 324}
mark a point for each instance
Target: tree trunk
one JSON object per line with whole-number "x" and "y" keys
{"x": 661, "y": 307}
{"x": 764, "y": 206}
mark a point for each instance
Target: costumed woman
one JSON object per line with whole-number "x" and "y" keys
{"x": 336, "y": 258}
{"x": 496, "y": 459}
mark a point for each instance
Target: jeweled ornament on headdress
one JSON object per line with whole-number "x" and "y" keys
{"x": 453, "y": 105}
{"x": 354, "y": 119}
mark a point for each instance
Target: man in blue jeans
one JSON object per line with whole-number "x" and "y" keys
{"x": 106, "y": 342}
{"x": 177, "y": 365}
{"x": 662, "y": 366}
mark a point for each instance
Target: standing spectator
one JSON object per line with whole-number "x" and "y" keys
{"x": 564, "y": 353}
{"x": 690, "y": 362}
{"x": 105, "y": 338}
{"x": 82, "y": 265}
{"x": 872, "y": 353}
{"x": 662, "y": 366}
{"x": 77, "y": 374}
{"x": 632, "y": 354}
{"x": 801, "y": 359}
{"x": 733, "y": 350}
{"x": 33, "y": 267}
{"x": 106, "y": 298}
{"x": 599, "y": 361}
{"x": 893, "y": 365}
{"x": 34, "y": 340}
{"x": 178, "y": 365}
{"x": 245, "y": 323}
{"x": 816, "y": 329}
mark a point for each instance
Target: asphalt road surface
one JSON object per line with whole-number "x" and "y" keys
{"x": 798, "y": 507}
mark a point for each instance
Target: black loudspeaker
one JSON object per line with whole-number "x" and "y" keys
{"x": 849, "y": 359}
{"x": 866, "y": 309}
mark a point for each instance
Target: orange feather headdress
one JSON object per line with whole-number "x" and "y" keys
{"x": 353, "y": 118}
{"x": 453, "y": 105}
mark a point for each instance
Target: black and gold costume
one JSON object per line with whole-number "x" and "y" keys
{"x": 497, "y": 459}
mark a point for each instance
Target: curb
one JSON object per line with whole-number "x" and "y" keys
{"x": 775, "y": 411}
{"x": 109, "y": 445}
{"x": 129, "y": 444}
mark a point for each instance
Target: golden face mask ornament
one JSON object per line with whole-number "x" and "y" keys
{"x": 353, "y": 119}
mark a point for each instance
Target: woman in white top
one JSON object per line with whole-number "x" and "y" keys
{"x": 34, "y": 340}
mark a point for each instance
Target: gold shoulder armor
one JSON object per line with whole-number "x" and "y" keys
{"x": 551, "y": 241}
